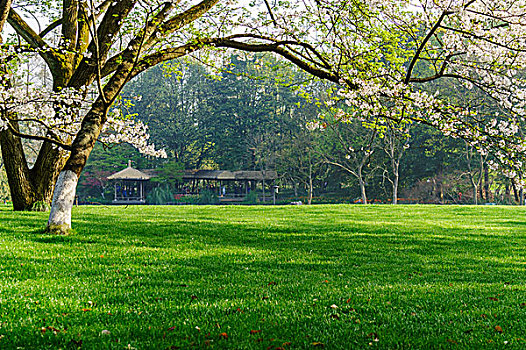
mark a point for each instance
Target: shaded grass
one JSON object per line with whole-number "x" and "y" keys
{"x": 193, "y": 277}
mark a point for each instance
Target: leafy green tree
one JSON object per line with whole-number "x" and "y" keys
{"x": 352, "y": 146}
{"x": 173, "y": 100}
{"x": 301, "y": 162}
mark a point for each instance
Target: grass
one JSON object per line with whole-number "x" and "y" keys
{"x": 332, "y": 276}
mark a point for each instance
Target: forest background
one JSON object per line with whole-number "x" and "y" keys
{"x": 261, "y": 114}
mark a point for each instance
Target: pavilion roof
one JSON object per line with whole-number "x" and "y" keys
{"x": 229, "y": 175}
{"x": 129, "y": 174}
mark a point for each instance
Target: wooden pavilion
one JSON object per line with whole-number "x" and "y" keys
{"x": 239, "y": 183}
{"x": 129, "y": 186}
{"x": 230, "y": 186}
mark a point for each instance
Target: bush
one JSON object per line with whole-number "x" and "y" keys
{"x": 251, "y": 198}
{"x": 189, "y": 199}
{"x": 40, "y": 206}
{"x": 208, "y": 197}
{"x": 160, "y": 195}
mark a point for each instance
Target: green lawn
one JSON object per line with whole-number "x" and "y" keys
{"x": 294, "y": 277}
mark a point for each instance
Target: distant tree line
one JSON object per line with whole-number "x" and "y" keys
{"x": 257, "y": 114}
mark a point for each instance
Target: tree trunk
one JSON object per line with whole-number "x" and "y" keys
{"x": 63, "y": 198}
{"x": 17, "y": 171}
{"x": 45, "y": 171}
{"x": 295, "y": 187}
{"x": 263, "y": 189}
{"x": 475, "y": 194}
{"x": 30, "y": 186}
{"x": 515, "y": 192}
{"x": 64, "y": 195}
{"x": 396, "y": 179}
{"x": 362, "y": 190}
{"x": 395, "y": 190}
{"x": 362, "y": 186}
{"x": 486, "y": 184}
{"x": 309, "y": 196}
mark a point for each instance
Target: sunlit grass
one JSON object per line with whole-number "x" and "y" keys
{"x": 337, "y": 276}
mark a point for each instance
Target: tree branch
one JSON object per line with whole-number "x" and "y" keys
{"x": 440, "y": 74}
{"x": 70, "y": 10}
{"x": 271, "y": 13}
{"x": 38, "y": 138}
{"x": 228, "y": 42}
{"x": 423, "y": 44}
{"x": 184, "y": 18}
{"x": 5, "y": 7}
{"x": 51, "y": 27}
{"x": 479, "y": 37}
{"x": 87, "y": 71}
{"x": 33, "y": 39}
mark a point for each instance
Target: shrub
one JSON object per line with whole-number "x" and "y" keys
{"x": 251, "y": 198}
{"x": 40, "y": 206}
{"x": 208, "y": 197}
{"x": 160, "y": 195}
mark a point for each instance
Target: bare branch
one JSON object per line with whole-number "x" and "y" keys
{"x": 51, "y": 27}
{"x": 38, "y": 138}
{"x": 271, "y": 13}
{"x": 423, "y": 44}
{"x": 439, "y": 74}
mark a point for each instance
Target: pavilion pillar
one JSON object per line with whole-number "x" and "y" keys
{"x": 263, "y": 189}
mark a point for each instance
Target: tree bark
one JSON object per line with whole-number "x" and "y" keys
{"x": 5, "y": 6}
{"x": 45, "y": 171}
{"x": 30, "y": 186}
{"x": 63, "y": 198}
{"x": 486, "y": 184}
{"x": 59, "y": 221}
{"x": 309, "y": 197}
{"x": 515, "y": 192}
{"x": 395, "y": 189}
{"x": 17, "y": 171}
{"x": 362, "y": 186}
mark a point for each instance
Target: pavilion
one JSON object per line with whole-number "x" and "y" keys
{"x": 219, "y": 179}
{"x": 129, "y": 186}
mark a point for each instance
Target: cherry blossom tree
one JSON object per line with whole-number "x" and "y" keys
{"x": 389, "y": 54}
{"x": 479, "y": 44}
{"x": 395, "y": 141}
{"x": 350, "y": 145}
